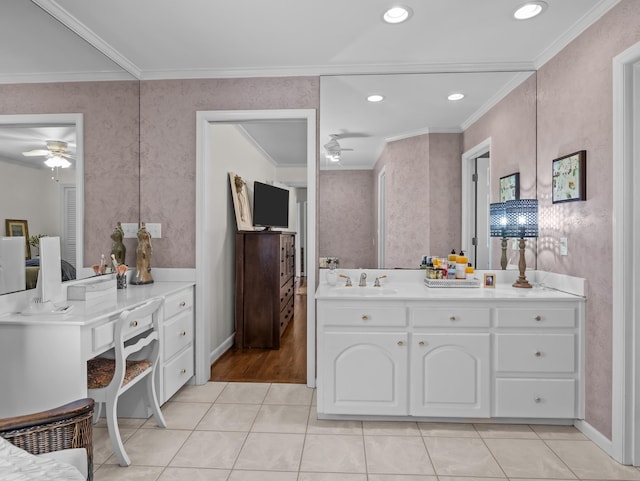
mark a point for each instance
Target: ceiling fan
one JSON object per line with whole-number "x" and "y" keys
{"x": 57, "y": 153}
{"x": 333, "y": 148}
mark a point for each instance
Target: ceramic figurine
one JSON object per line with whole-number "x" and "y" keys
{"x": 117, "y": 247}
{"x": 143, "y": 258}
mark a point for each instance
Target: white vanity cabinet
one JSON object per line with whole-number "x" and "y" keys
{"x": 537, "y": 357}
{"x": 177, "y": 350}
{"x": 441, "y": 356}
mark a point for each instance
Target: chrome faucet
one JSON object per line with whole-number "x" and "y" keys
{"x": 363, "y": 280}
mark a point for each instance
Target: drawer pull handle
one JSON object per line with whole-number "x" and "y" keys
{"x": 183, "y": 371}
{"x": 538, "y": 318}
{"x": 134, "y": 324}
{"x": 183, "y": 333}
{"x": 538, "y": 354}
{"x": 421, "y": 343}
{"x": 183, "y": 303}
{"x": 365, "y": 317}
{"x": 538, "y": 400}
{"x": 452, "y": 318}
{"x": 400, "y": 343}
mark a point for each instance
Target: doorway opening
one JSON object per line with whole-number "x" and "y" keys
{"x": 215, "y": 229}
{"x": 476, "y": 196}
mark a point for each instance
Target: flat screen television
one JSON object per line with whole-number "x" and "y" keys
{"x": 270, "y": 206}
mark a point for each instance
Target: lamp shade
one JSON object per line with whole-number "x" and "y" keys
{"x": 522, "y": 218}
{"x": 497, "y": 219}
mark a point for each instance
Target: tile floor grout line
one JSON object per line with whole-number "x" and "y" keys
{"x": 484, "y": 442}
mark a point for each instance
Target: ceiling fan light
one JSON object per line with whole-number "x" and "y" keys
{"x": 57, "y": 161}
{"x": 397, "y": 14}
{"x": 529, "y": 10}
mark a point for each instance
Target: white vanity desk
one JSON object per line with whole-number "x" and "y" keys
{"x": 43, "y": 358}
{"x": 414, "y": 352}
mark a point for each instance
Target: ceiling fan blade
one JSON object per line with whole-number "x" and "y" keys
{"x": 33, "y": 153}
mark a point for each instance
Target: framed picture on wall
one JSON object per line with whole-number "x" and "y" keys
{"x": 510, "y": 187}
{"x": 569, "y": 178}
{"x": 241, "y": 205}
{"x": 19, "y": 228}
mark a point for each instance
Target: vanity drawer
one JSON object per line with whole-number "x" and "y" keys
{"x": 178, "y": 302}
{"x": 177, "y": 333}
{"x": 364, "y": 315}
{"x": 535, "y": 398}
{"x": 450, "y": 316}
{"x": 177, "y": 372}
{"x": 535, "y": 353}
{"x": 536, "y": 317}
{"x": 102, "y": 335}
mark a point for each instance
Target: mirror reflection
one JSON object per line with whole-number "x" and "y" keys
{"x": 390, "y": 187}
{"x": 40, "y": 168}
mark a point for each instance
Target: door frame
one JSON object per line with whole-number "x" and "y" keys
{"x": 467, "y": 188}
{"x": 204, "y": 256}
{"x": 382, "y": 223}
{"x": 625, "y": 423}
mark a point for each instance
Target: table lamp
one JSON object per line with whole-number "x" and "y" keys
{"x": 522, "y": 222}
{"x": 497, "y": 226}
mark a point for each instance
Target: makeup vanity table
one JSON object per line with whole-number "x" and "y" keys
{"x": 43, "y": 357}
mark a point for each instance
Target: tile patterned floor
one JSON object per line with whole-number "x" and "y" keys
{"x": 269, "y": 432}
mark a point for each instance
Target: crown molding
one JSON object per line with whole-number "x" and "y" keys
{"x": 576, "y": 29}
{"x": 59, "y": 77}
{"x": 73, "y": 24}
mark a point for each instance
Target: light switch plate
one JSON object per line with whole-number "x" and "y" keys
{"x": 130, "y": 230}
{"x": 564, "y": 248}
{"x": 155, "y": 229}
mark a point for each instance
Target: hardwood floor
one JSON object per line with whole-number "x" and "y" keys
{"x": 287, "y": 364}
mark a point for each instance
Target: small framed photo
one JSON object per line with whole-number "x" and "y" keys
{"x": 489, "y": 280}
{"x": 19, "y": 228}
{"x": 510, "y": 187}
{"x": 569, "y": 178}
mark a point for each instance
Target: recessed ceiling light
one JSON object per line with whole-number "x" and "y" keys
{"x": 456, "y": 96}
{"x": 397, "y": 14}
{"x": 529, "y": 10}
{"x": 375, "y": 98}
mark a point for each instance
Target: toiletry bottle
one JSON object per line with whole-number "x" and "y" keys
{"x": 332, "y": 275}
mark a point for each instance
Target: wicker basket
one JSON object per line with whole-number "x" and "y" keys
{"x": 68, "y": 426}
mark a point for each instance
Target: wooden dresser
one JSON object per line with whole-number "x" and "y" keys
{"x": 265, "y": 268}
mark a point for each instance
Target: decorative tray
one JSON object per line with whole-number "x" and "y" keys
{"x": 452, "y": 282}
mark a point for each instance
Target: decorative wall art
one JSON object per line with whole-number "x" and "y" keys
{"x": 569, "y": 178}
{"x": 510, "y": 187}
{"x": 241, "y": 204}
{"x": 19, "y": 228}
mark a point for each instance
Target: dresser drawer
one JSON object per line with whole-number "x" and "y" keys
{"x": 536, "y": 317}
{"x": 178, "y": 302}
{"x": 177, "y": 372}
{"x": 177, "y": 333}
{"x": 535, "y": 353}
{"x": 286, "y": 292}
{"x": 371, "y": 315}
{"x": 535, "y": 398}
{"x": 286, "y": 315}
{"x": 450, "y": 316}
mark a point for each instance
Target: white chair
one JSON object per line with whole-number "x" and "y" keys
{"x": 135, "y": 330}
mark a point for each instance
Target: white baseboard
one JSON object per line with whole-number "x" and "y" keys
{"x": 221, "y": 349}
{"x": 596, "y": 436}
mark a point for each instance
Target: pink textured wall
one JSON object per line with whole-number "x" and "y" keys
{"x": 111, "y": 149}
{"x": 575, "y": 113}
{"x": 345, "y": 217}
{"x": 445, "y": 179}
{"x": 168, "y": 146}
{"x": 511, "y": 125}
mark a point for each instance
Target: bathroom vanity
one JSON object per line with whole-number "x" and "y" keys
{"x": 404, "y": 350}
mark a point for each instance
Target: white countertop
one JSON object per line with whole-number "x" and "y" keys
{"x": 88, "y": 312}
{"x": 409, "y": 286}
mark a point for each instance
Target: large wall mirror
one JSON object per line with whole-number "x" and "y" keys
{"x": 390, "y": 182}
{"x": 67, "y": 140}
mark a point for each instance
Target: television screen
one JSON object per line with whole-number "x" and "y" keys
{"x": 270, "y": 205}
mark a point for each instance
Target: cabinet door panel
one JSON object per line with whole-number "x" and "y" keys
{"x": 450, "y": 375}
{"x": 366, "y": 373}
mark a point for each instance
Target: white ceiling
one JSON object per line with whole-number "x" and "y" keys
{"x": 159, "y": 39}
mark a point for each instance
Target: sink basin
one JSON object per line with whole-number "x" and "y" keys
{"x": 363, "y": 291}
